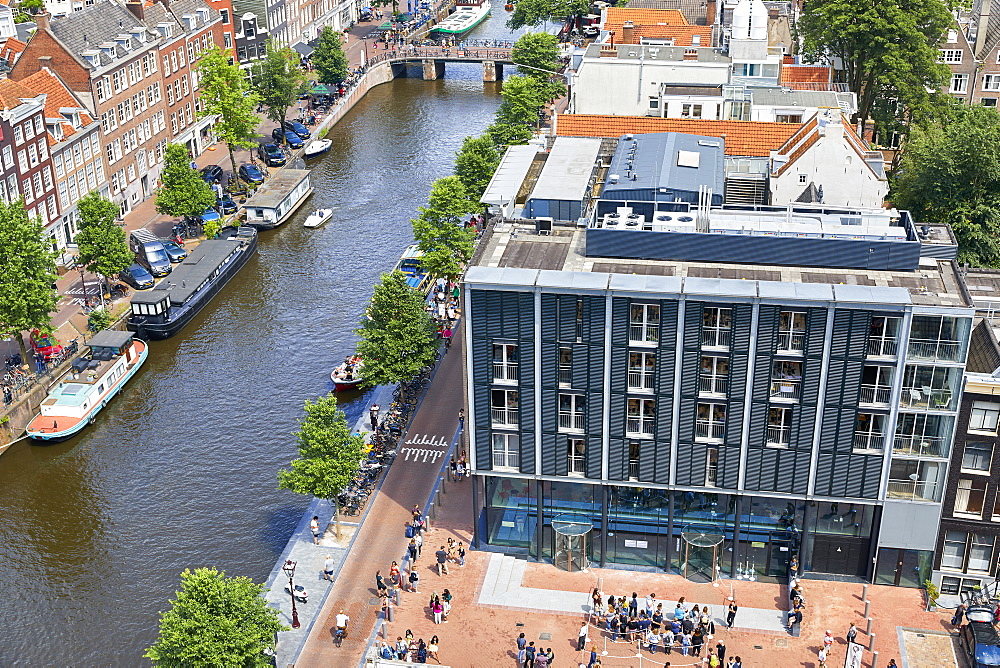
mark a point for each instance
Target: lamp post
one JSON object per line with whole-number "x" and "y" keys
{"x": 289, "y": 569}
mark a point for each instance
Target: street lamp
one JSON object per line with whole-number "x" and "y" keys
{"x": 289, "y": 569}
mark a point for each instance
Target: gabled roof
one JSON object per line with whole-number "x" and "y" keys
{"x": 13, "y": 92}
{"x": 806, "y": 77}
{"x": 743, "y": 138}
{"x": 11, "y": 49}
{"x": 809, "y": 135}
{"x": 654, "y": 24}
{"x": 681, "y": 35}
{"x": 614, "y": 17}
{"x": 57, "y": 98}
{"x": 89, "y": 28}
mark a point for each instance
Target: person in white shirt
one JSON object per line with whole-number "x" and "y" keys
{"x": 342, "y": 621}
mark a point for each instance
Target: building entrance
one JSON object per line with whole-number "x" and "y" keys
{"x": 701, "y": 553}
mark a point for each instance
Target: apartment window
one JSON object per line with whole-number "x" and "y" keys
{"x": 565, "y": 367}
{"x": 952, "y": 586}
{"x": 29, "y": 130}
{"x": 779, "y": 421}
{"x": 690, "y": 111}
{"x": 791, "y": 331}
{"x": 716, "y": 327}
{"x": 22, "y": 160}
{"x": 970, "y": 497}
{"x": 786, "y": 379}
{"x": 876, "y": 385}
{"x": 173, "y": 123}
{"x": 505, "y": 451}
{"x": 788, "y": 118}
{"x": 981, "y": 553}
{"x": 654, "y": 103}
{"x": 883, "y": 336}
{"x": 951, "y": 55}
{"x": 953, "y": 552}
{"x": 225, "y": 16}
{"x": 47, "y": 177}
{"x": 644, "y": 323}
{"x": 922, "y": 435}
{"x": 571, "y": 408}
{"x": 991, "y": 82}
{"x": 641, "y": 370}
{"x": 640, "y": 416}
{"x": 996, "y": 509}
{"x": 8, "y": 157}
{"x": 505, "y": 365}
{"x": 984, "y": 416}
{"x": 711, "y": 467}
{"x": 930, "y": 387}
{"x": 803, "y": 178}
{"x": 504, "y": 407}
{"x": 118, "y": 82}
{"x": 26, "y": 187}
{"x": 714, "y": 378}
{"x": 869, "y": 432}
{"x": 959, "y": 83}
{"x": 977, "y": 456}
{"x": 634, "y": 448}
{"x": 18, "y": 135}
{"x": 101, "y": 86}
{"x": 227, "y": 39}
{"x": 711, "y": 422}
{"x": 576, "y": 451}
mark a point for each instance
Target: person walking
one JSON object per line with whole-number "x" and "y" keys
{"x": 581, "y": 640}
{"x": 419, "y": 540}
{"x": 593, "y": 657}
{"x": 822, "y": 657}
{"x": 314, "y": 528}
{"x": 453, "y": 467}
{"x": 461, "y": 412}
{"x": 412, "y": 549}
{"x": 394, "y": 575}
{"x": 522, "y": 644}
{"x": 432, "y": 648}
{"x": 328, "y": 566}
{"x": 414, "y": 579}
{"x": 461, "y": 554}
{"x": 373, "y": 416}
{"x": 731, "y": 615}
{"x": 956, "y": 619}
{"x": 529, "y": 657}
{"x": 383, "y": 590}
{"x": 442, "y": 561}
{"x": 852, "y": 632}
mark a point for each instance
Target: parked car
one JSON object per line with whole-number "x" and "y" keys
{"x": 44, "y": 344}
{"x": 287, "y": 136}
{"x": 212, "y": 174}
{"x": 137, "y": 277}
{"x": 225, "y": 204}
{"x": 271, "y": 154}
{"x": 296, "y": 127}
{"x": 175, "y": 251}
{"x": 251, "y": 174}
{"x": 210, "y": 214}
{"x": 979, "y": 637}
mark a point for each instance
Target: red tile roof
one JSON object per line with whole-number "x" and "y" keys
{"x": 12, "y": 92}
{"x": 616, "y": 16}
{"x": 806, "y": 74}
{"x": 654, "y": 24}
{"x": 682, "y": 35}
{"x": 57, "y": 97}
{"x": 11, "y": 48}
{"x": 743, "y": 138}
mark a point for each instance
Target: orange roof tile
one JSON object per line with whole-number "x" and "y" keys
{"x": 12, "y": 47}
{"x": 806, "y": 74}
{"x": 57, "y": 97}
{"x": 12, "y": 92}
{"x": 680, "y": 34}
{"x": 743, "y": 138}
{"x": 616, "y": 16}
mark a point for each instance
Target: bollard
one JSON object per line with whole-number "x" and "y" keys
{"x": 443, "y": 479}
{"x": 864, "y": 594}
{"x": 868, "y": 631}
{"x": 868, "y": 608}
{"x": 389, "y": 617}
{"x": 384, "y": 631}
{"x": 874, "y": 659}
{"x": 871, "y": 643}
{"x": 395, "y": 597}
{"x": 427, "y": 524}
{"x": 437, "y": 497}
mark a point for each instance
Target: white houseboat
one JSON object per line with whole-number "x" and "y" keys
{"x": 276, "y": 201}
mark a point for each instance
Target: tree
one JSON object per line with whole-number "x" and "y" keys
{"x": 279, "y": 81}
{"x": 32, "y": 6}
{"x": 522, "y": 98}
{"x": 101, "y": 242}
{"x": 216, "y": 621}
{"x": 475, "y": 164}
{"x": 537, "y": 56}
{"x": 27, "y": 273}
{"x": 386, "y": 3}
{"x": 397, "y": 335}
{"x": 226, "y": 93}
{"x": 184, "y": 192}
{"x": 950, "y": 173}
{"x": 536, "y": 12}
{"x": 440, "y": 230}
{"x": 328, "y": 59}
{"x": 889, "y": 52}
{"x": 329, "y": 453}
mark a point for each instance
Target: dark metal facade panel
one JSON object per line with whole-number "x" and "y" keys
{"x": 687, "y": 463}
{"x": 815, "y": 332}
{"x": 481, "y": 415}
{"x": 618, "y": 459}
{"x": 619, "y": 369}
{"x": 550, "y": 410}
{"x": 664, "y": 415}
{"x": 647, "y": 461}
{"x": 559, "y": 444}
{"x": 758, "y": 424}
{"x": 619, "y": 321}
{"x": 687, "y": 414}
{"x": 594, "y": 457}
{"x": 548, "y": 463}
{"x": 754, "y": 467}
{"x": 662, "y": 456}
{"x": 728, "y": 476}
{"x": 693, "y": 320}
{"x": 527, "y": 451}
{"x": 616, "y": 415}
{"x": 549, "y": 363}
{"x": 690, "y": 372}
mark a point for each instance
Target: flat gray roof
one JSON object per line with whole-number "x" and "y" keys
{"x": 277, "y": 188}
{"x": 567, "y": 170}
{"x": 509, "y": 175}
{"x": 110, "y": 338}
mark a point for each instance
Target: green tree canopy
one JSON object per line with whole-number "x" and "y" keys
{"x": 536, "y": 12}
{"x": 27, "y": 273}
{"x": 216, "y": 621}
{"x": 103, "y": 247}
{"x": 950, "y": 173}
{"x": 397, "y": 335}
{"x": 226, "y": 93}
{"x": 184, "y": 192}
{"x": 889, "y": 51}
{"x": 279, "y": 81}
{"x": 440, "y": 230}
{"x": 522, "y": 97}
{"x": 537, "y": 56}
{"x": 475, "y": 164}
{"x": 328, "y": 58}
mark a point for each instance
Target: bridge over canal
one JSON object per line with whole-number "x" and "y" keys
{"x": 432, "y": 59}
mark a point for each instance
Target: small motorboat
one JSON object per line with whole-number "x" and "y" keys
{"x": 347, "y": 376}
{"x": 318, "y": 147}
{"x": 318, "y": 217}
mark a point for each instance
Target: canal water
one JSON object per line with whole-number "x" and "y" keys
{"x": 179, "y": 470}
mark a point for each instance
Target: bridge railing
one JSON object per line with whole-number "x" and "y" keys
{"x": 452, "y": 53}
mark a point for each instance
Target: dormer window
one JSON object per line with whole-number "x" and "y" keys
{"x": 203, "y": 14}
{"x": 93, "y": 57}
{"x": 140, "y": 35}
{"x": 55, "y": 129}
{"x": 165, "y": 30}
{"x": 110, "y": 50}
{"x": 190, "y": 20}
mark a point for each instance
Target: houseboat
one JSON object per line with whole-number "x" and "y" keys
{"x": 276, "y": 201}
{"x": 88, "y": 386}
{"x": 162, "y": 312}
{"x": 467, "y": 15}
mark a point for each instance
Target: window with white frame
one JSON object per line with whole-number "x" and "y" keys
{"x": 959, "y": 83}
{"x": 786, "y": 379}
{"x": 714, "y": 377}
{"x": 991, "y": 82}
{"x": 634, "y": 451}
{"x": 505, "y": 451}
{"x": 641, "y": 369}
{"x": 977, "y": 456}
{"x": 779, "y": 425}
{"x": 951, "y": 56}
{"x": 565, "y": 367}
{"x": 981, "y": 552}
{"x": 640, "y": 416}
{"x": 984, "y": 416}
{"x": 504, "y": 407}
{"x": 717, "y": 325}
{"x": 576, "y": 451}
{"x": 690, "y": 111}
{"x": 711, "y": 467}
{"x": 791, "y": 331}
{"x": 505, "y": 363}
{"x": 970, "y": 497}
{"x": 644, "y": 323}
{"x": 953, "y": 551}
{"x": 869, "y": 431}
{"x": 711, "y": 422}
{"x": 571, "y": 412}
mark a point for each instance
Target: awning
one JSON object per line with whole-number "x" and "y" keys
{"x": 323, "y": 89}
{"x": 303, "y": 48}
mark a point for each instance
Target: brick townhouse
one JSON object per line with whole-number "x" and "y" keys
{"x": 971, "y": 49}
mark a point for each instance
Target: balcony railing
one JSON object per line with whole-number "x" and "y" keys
{"x": 502, "y": 417}
{"x": 575, "y": 464}
{"x": 505, "y": 460}
{"x": 715, "y": 338}
{"x": 926, "y": 446}
{"x": 714, "y": 384}
{"x": 925, "y": 397}
{"x": 785, "y": 388}
{"x": 933, "y": 349}
{"x": 915, "y": 490}
{"x": 633, "y": 469}
{"x": 878, "y": 347}
{"x": 505, "y": 372}
{"x": 643, "y": 333}
{"x": 867, "y": 441}
{"x": 570, "y": 420}
{"x": 712, "y": 430}
{"x": 876, "y": 395}
{"x": 711, "y": 475}
{"x": 777, "y": 435}
{"x": 791, "y": 341}
{"x": 565, "y": 375}
{"x": 637, "y": 425}
{"x": 640, "y": 380}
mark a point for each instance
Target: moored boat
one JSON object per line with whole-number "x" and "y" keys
{"x": 467, "y": 15}
{"x": 347, "y": 376}
{"x": 93, "y": 380}
{"x": 318, "y": 147}
{"x": 410, "y": 264}
{"x": 318, "y": 217}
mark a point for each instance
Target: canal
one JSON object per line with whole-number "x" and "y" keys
{"x": 179, "y": 471}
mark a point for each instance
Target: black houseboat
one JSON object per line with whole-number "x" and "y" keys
{"x": 164, "y": 310}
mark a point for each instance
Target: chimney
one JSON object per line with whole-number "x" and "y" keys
{"x": 42, "y": 20}
{"x": 44, "y": 62}
{"x": 136, "y": 9}
{"x": 628, "y": 30}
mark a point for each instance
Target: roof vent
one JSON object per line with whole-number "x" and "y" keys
{"x": 613, "y": 178}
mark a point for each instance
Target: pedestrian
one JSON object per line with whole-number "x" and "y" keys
{"x": 828, "y": 639}
{"x": 460, "y": 470}
{"x": 550, "y": 655}
{"x": 541, "y": 659}
{"x": 697, "y": 640}
{"x": 446, "y": 603}
{"x": 891, "y": 664}
{"x": 380, "y": 584}
{"x": 852, "y": 632}
{"x": 593, "y": 657}
{"x": 731, "y": 615}
{"x": 437, "y": 610}
{"x": 461, "y": 554}
{"x": 956, "y": 619}
{"x": 650, "y": 603}
{"x": 314, "y": 528}
{"x": 373, "y": 414}
{"x": 454, "y": 470}
{"x": 720, "y": 649}
{"x": 667, "y": 640}
{"x": 414, "y": 579}
{"x": 402, "y": 649}
{"x": 713, "y": 659}
{"x": 421, "y": 651}
{"x": 394, "y": 577}
{"x": 738, "y": 663}
{"x": 633, "y": 605}
{"x": 442, "y": 561}
{"x": 412, "y": 549}
{"x": 529, "y": 656}
{"x": 822, "y": 657}
{"x": 419, "y": 541}
{"x": 581, "y": 640}
{"x": 432, "y": 648}
{"x": 685, "y": 643}
{"x": 328, "y": 568}
{"x": 461, "y": 419}
{"x": 416, "y": 512}
{"x": 522, "y": 643}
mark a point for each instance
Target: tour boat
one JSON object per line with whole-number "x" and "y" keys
{"x": 347, "y": 376}
{"x": 318, "y": 217}
{"x": 89, "y": 385}
{"x": 410, "y": 264}
{"x": 467, "y": 15}
{"x": 318, "y": 147}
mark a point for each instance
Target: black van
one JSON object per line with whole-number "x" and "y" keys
{"x": 149, "y": 252}
{"x": 979, "y": 637}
